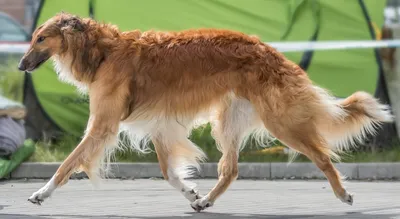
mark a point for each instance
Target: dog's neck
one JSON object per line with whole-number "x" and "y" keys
{"x": 63, "y": 68}
{"x": 84, "y": 51}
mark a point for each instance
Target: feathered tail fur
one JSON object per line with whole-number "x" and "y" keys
{"x": 349, "y": 121}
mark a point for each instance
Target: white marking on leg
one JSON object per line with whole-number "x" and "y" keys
{"x": 185, "y": 187}
{"x": 183, "y": 156}
{"x": 232, "y": 126}
{"x": 43, "y": 193}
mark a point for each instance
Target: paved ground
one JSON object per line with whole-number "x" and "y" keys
{"x": 152, "y": 199}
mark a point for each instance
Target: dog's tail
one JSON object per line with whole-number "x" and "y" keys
{"x": 347, "y": 122}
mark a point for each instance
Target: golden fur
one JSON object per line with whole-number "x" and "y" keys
{"x": 158, "y": 86}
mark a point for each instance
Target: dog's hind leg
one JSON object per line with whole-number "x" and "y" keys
{"x": 178, "y": 157}
{"x": 306, "y": 140}
{"x": 294, "y": 120}
{"x": 235, "y": 121}
{"x": 101, "y": 131}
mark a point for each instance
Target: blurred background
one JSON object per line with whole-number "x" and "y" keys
{"x": 42, "y": 119}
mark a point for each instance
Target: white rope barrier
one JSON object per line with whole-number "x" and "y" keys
{"x": 334, "y": 45}
{"x": 18, "y": 48}
{"x": 281, "y": 46}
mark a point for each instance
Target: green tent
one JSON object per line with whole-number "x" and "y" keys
{"x": 341, "y": 71}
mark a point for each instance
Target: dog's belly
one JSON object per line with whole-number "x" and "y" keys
{"x": 175, "y": 108}
{"x": 138, "y": 132}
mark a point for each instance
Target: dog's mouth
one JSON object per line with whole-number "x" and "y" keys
{"x": 37, "y": 65}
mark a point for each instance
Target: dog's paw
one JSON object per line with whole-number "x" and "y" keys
{"x": 36, "y": 200}
{"x": 201, "y": 204}
{"x": 39, "y": 196}
{"x": 192, "y": 195}
{"x": 347, "y": 198}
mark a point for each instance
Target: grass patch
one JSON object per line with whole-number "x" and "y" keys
{"x": 47, "y": 151}
{"x": 58, "y": 151}
{"x": 11, "y": 80}
{"x": 388, "y": 155}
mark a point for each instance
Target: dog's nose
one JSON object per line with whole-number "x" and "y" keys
{"x": 22, "y": 66}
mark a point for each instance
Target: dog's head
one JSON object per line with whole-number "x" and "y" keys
{"x": 49, "y": 39}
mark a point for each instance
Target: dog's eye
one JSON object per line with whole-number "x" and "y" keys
{"x": 40, "y": 39}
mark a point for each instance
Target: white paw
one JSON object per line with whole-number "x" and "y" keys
{"x": 191, "y": 195}
{"x": 201, "y": 204}
{"x": 39, "y": 196}
{"x": 43, "y": 193}
{"x": 347, "y": 198}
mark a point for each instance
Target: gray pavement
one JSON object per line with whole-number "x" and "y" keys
{"x": 152, "y": 199}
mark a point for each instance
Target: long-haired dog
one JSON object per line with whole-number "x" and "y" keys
{"x": 157, "y": 86}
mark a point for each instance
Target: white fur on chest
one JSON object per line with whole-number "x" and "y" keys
{"x": 63, "y": 68}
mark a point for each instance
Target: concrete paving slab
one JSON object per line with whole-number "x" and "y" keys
{"x": 298, "y": 170}
{"x": 156, "y": 199}
{"x": 379, "y": 170}
{"x": 310, "y": 170}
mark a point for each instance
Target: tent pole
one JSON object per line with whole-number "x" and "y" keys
{"x": 389, "y": 131}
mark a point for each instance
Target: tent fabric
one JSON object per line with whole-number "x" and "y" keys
{"x": 347, "y": 71}
{"x": 12, "y": 135}
{"x": 60, "y": 101}
{"x": 12, "y": 130}
{"x": 341, "y": 71}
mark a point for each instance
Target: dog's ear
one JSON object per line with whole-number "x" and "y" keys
{"x": 72, "y": 23}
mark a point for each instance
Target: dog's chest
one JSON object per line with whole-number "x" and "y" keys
{"x": 64, "y": 72}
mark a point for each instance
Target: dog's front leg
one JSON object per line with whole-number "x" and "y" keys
{"x": 70, "y": 164}
{"x": 105, "y": 113}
